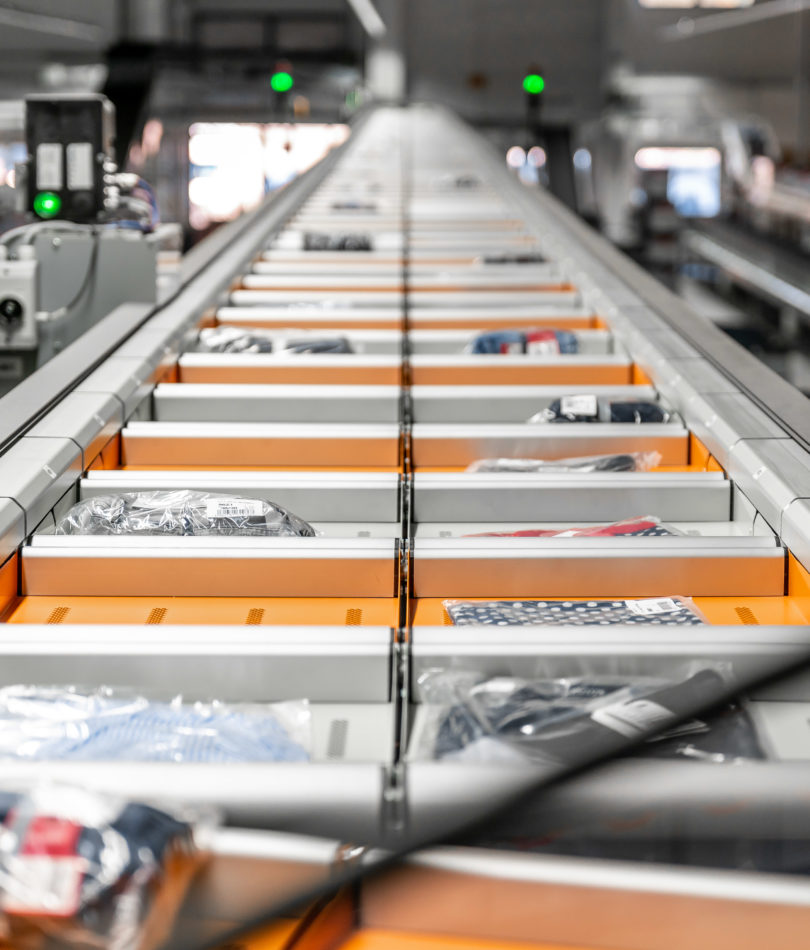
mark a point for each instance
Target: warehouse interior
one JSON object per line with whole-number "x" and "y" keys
{"x": 404, "y": 474}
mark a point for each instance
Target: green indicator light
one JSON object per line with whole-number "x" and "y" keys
{"x": 281, "y": 82}
{"x": 534, "y": 84}
{"x": 47, "y": 204}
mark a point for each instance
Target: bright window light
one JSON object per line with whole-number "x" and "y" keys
{"x": 516, "y": 157}
{"x": 661, "y": 158}
{"x": 233, "y": 165}
{"x": 536, "y": 156}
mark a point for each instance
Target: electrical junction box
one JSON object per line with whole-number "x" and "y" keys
{"x": 70, "y": 150}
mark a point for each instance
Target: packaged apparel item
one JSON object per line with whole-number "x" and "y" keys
{"x": 337, "y": 344}
{"x": 225, "y": 339}
{"x": 182, "y": 513}
{"x": 41, "y": 723}
{"x": 85, "y": 871}
{"x": 551, "y": 722}
{"x": 586, "y": 407}
{"x": 626, "y": 462}
{"x": 659, "y": 611}
{"x": 525, "y": 258}
{"x": 353, "y": 205}
{"x": 534, "y": 342}
{"x": 314, "y": 241}
{"x": 645, "y": 527}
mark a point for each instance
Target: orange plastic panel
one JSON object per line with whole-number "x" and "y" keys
{"x": 476, "y": 322}
{"x": 253, "y": 611}
{"x": 494, "y": 375}
{"x": 8, "y": 585}
{"x": 293, "y": 373}
{"x": 291, "y": 452}
{"x": 275, "y": 937}
{"x": 375, "y": 939}
{"x": 417, "y": 900}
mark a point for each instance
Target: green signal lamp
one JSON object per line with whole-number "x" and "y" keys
{"x": 534, "y": 84}
{"x": 47, "y": 204}
{"x": 281, "y": 82}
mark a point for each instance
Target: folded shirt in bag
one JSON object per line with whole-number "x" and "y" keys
{"x": 534, "y": 342}
{"x": 658, "y": 611}
{"x": 644, "y": 527}
{"x": 585, "y": 407}
{"x": 182, "y": 512}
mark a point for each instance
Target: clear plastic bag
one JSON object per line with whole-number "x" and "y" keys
{"x": 525, "y": 257}
{"x": 626, "y": 462}
{"x": 657, "y": 611}
{"x": 85, "y": 871}
{"x": 585, "y": 407}
{"x": 317, "y": 345}
{"x": 645, "y": 526}
{"x": 317, "y": 241}
{"x": 181, "y": 512}
{"x": 470, "y": 718}
{"x": 47, "y": 723}
{"x": 227, "y": 339}
{"x": 536, "y": 342}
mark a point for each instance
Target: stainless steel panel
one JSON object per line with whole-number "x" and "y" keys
{"x": 12, "y": 528}
{"x": 598, "y": 567}
{"x": 88, "y": 419}
{"x": 444, "y": 404}
{"x": 316, "y": 798}
{"x": 772, "y": 473}
{"x": 130, "y": 380}
{"x": 207, "y": 567}
{"x": 280, "y": 368}
{"x": 315, "y": 496}
{"x": 720, "y": 420}
{"x": 440, "y": 445}
{"x": 448, "y": 497}
{"x": 784, "y": 727}
{"x": 229, "y": 664}
{"x": 37, "y": 472}
{"x": 258, "y": 402}
{"x": 539, "y": 652}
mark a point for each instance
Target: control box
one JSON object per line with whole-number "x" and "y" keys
{"x": 18, "y": 303}
{"x": 70, "y": 141}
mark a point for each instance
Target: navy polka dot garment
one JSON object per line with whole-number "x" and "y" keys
{"x": 552, "y": 613}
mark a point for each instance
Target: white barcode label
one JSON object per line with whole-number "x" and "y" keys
{"x": 543, "y": 347}
{"x": 44, "y": 885}
{"x": 233, "y": 508}
{"x": 658, "y": 605}
{"x": 49, "y": 166}
{"x": 583, "y": 405}
{"x": 79, "y": 159}
{"x": 632, "y": 717}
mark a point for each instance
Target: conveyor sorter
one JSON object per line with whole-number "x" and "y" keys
{"x": 372, "y": 448}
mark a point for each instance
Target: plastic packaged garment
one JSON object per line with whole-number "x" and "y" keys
{"x": 557, "y": 721}
{"x": 626, "y": 462}
{"x": 647, "y": 526}
{"x": 525, "y": 258}
{"x": 533, "y": 342}
{"x": 658, "y": 611}
{"x": 586, "y": 407}
{"x": 336, "y": 344}
{"x": 79, "y": 870}
{"x": 355, "y": 205}
{"x": 42, "y": 723}
{"x": 225, "y": 339}
{"x": 315, "y": 241}
{"x": 181, "y": 512}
